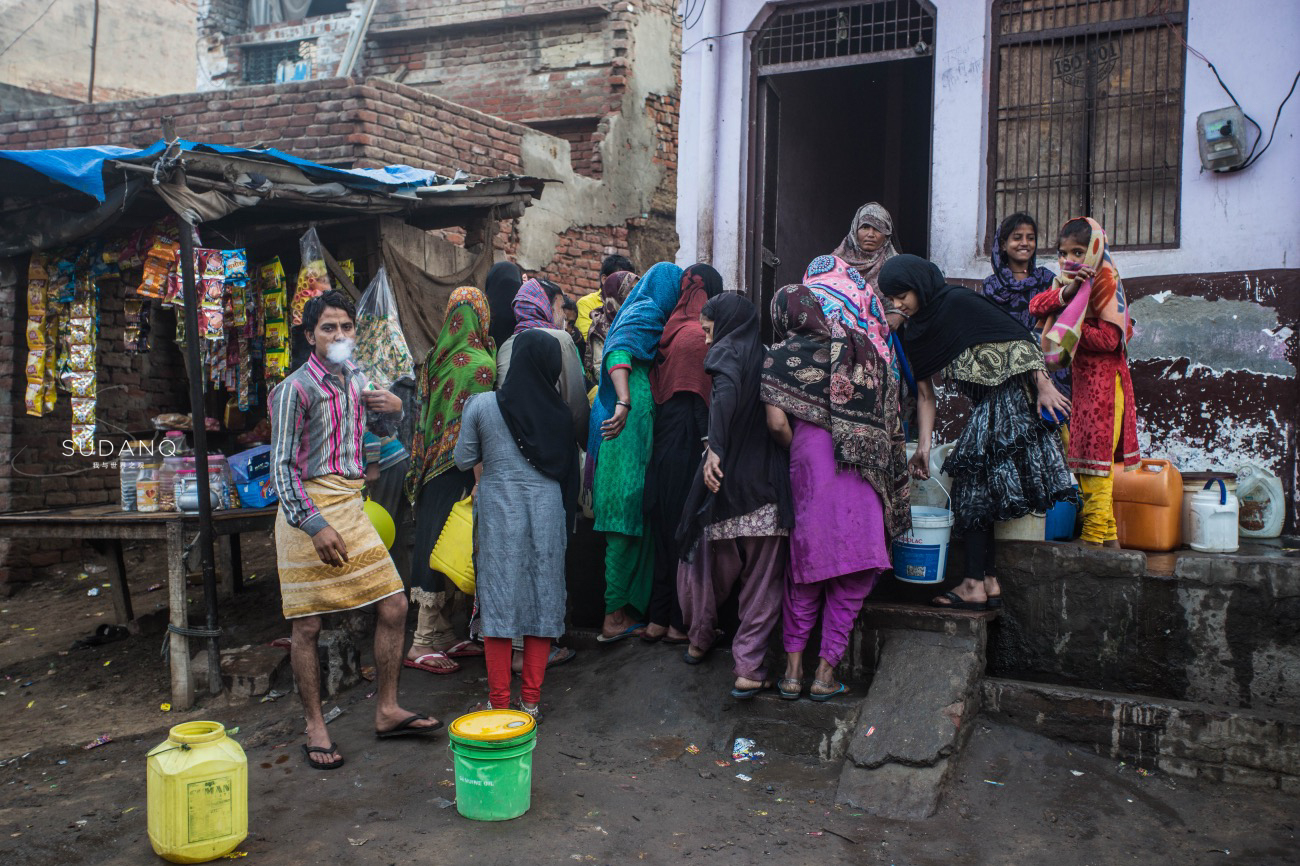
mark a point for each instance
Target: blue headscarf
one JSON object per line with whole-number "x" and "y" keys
{"x": 635, "y": 330}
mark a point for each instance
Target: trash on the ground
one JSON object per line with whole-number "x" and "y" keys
{"x": 333, "y": 714}
{"x": 447, "y": 783}
{"x": 128, "y": 809}
{"x": 815, "y": 833}
{"x": 1076, "y": 772}
{"x": 107, "y": 662}
{"x": 96, "y": 568}
{"x": 81, "y": 823}
{"x": 102, "y": 739}
{"x": 742, "y": 777}
{"x": 722, "y": 763}
{"x": 166, "y": 708}
{"x": 93, "y": 591}
{"x": 991, "y": 782}
{"x": 693, "y": 749}
{"x": 153, "y": 587}
{"x": 443, "y": 802}
{"x": 82, "y": 576}
{"x": 368, "y": 673}
{"x": 251, "y": 577}
{"x": 760, "y": 812}
{"x": 61, "y": 761}
{"x": 357, "y": 843}
{"x": 744, "y": 749}
{"x": 1143, "y": 772}
{"x": 29, "y": 704}
{"x": 234, "y": 855}
{"x": 272, "y": 695}
{"x": 871, "y": 730}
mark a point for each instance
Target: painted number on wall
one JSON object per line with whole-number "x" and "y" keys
{"x": 1072, "y": 62}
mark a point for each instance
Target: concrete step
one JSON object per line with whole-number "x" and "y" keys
{"x": 1247, "y": 747}
{"x": 802, "y": 728}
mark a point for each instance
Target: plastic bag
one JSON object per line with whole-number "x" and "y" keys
{"x": 313, "y": 278}
{"x": 382, "y": 353}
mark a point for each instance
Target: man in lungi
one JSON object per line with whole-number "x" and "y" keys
{"x": 329, "y": 555}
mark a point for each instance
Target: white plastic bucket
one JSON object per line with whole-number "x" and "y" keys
{"x": 1263, "y": 503}
{"x": 920, "y": 554}
{"x": 1214, "y": 520}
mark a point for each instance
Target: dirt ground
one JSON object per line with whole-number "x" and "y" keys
{"x": 614, "y": 779}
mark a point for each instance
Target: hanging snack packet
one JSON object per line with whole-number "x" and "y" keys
{"x": 235, "y": 264}
{"x": 381, "y": 353}
{"x": 209, "y": 263}
{"x": 313, "y": 279}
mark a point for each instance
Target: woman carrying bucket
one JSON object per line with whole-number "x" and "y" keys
{"x": 1007, "y": 462}
{"x": 831, "y": 389}
{"x": 520, "y": 442}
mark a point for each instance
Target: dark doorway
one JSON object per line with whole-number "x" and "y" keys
{"x": 828, "y": 141}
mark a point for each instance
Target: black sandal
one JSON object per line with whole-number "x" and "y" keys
{"x": 956, "y": 602}
{"x": 322, "y": 750}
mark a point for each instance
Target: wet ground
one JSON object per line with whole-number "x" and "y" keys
{"x": 615, "y": 778}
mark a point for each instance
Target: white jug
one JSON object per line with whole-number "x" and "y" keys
{"x": 1263, "y": 504}
{"x": 1214, "y": 520}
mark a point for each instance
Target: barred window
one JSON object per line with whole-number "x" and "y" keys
{"x": 1088, "y": 108}
{"x": 823, "y": 35}
{"x": 278, "y": 63}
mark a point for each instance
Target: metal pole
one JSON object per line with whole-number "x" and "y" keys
{"x": 94, "y": 44}
{"x": 198, "y": 415}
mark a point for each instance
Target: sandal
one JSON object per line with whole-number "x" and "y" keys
{"x": 535, "y": 712}
{"x": 787, "y": 695}
{"x": 421, "y": 665}
{"x": 405, "y": 728}
{"x": 826, "y": 696}
{"x": 464, "y": 649}
{"x": 956, "y": 602}
{"x": 322, "y": 750}
{"x": 745, "y": 694}
{"x": 693, "y": 660}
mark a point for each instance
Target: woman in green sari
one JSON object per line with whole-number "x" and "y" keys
{"x": 620, "y": 442}
{"x": 461, "y": 364}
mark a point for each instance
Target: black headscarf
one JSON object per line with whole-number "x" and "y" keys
{"x": 756, "y": 471}
{"x": 538, "y": 419}
{"x": 503, "y": 282}
{"x": 950, "y": 320}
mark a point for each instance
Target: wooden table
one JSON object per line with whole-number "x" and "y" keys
{"x": 109, "y": 523}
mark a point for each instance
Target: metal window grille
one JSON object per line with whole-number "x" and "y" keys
{"x": 266, "y": 64}
{"x": 1088, "y": 109}
{"x": 842, "y": 34}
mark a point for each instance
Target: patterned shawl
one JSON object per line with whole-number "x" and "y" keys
{"x": 636, "y": 330}
{"x": 868, "y": 264}
{"x": 1102, "y": 298}
{"x": 829, "y": 375}
{"x": 682, "y": 347}
{"x": 847, "y": 296}
{"x": 532, "y": 307}
{"x": 462, "y": 363}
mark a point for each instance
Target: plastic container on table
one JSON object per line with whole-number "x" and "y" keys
{"x": 129, "y": 464}
{"x": 174, "y": 444}
{"x": 258, "y": 493}
{"x": 167, "y": 483}
{"x": 492, "y": 752}
{"x": 1148, "y": 505}
{"x": 1213, "y": 524}
{"x": 251, "y": 464}
{"x": 146, "y": 488}
{"x": 197, "y": 794}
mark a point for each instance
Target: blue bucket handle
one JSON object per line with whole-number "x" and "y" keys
{"x": 1223, "y": 490}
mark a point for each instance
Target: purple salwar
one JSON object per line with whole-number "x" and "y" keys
{"x": 758, "y": 563}
{"x": 837, "y": 546}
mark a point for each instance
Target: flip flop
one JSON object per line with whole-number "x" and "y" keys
{"x": 560, "y": 655}
{"x": 322, "y": 750}
{"x": 676, "y": 641}
{"x": 994, "y": 602}
{"x": 826, "y": 697}
{"x": 745, "y": 694}
{"x": 404, "y": 729}
{"x": 789, "y": 696}
{"x": 626, "y": 633}
{"x": 283, "y": 643}
{"x": 693, "y": 660}
{"x": 464, "y": 649}
{"x": 956, "y": 602}
{"x": 420, "y": 665}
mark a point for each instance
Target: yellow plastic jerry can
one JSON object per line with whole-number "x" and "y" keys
{"x": 197, "y": 794}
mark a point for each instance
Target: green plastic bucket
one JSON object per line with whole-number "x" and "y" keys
{"x": 493, "y": 764}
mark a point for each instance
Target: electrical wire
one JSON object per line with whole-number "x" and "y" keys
{"x": 1252, "y": 157}
{"x": 698, "y": 15}
{"x": 720, "y": 36}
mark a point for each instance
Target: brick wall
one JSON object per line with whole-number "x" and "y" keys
{"x": 337, "y": 121}
{"x": 411, "y": 14}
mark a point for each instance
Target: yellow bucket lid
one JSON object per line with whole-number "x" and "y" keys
{"x": 492, "y": 726}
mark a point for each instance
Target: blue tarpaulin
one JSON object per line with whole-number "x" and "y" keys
{"x": 82, "y": 168}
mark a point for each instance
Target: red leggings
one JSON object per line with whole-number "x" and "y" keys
{"x": 497, "y": 652}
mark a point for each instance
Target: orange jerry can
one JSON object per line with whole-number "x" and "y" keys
{"x": 1148, "y": 505}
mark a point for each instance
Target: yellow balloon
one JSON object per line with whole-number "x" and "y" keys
{"x": 382, "y": 521}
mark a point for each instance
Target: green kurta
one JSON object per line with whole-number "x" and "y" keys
{"x": 618, "y": 493}
{"x": 619, "y": 485}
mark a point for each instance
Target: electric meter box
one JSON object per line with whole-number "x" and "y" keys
{"x": 1221, "y": 137}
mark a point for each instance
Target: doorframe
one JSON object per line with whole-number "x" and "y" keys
{"x": 749, "y": 255}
